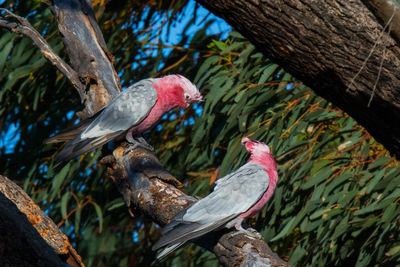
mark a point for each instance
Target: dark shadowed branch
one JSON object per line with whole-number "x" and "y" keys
{"x": 28, "y": 237}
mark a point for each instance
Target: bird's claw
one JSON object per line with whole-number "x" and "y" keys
{"x": 139, "y": 142}
{"x": 249, "y": 232}
{"x": 253, "y": 233}
{"x": 145, "y": 146}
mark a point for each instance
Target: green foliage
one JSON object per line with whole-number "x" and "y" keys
{"x": 337, "y": 198}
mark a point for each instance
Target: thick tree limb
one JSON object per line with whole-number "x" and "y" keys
{"x": 138, "y": 175}
{"x": 22, "y": 26}
{"x": 324, "y": 44}
{"x": 28, "y": 237}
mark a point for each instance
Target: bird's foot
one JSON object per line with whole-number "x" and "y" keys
{"x": 253, "y": 233}
{"x": 139, "y": 142}
{"x": 249, "y": 231}
{"x": 144, "y": 143}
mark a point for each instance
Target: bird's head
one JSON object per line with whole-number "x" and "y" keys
{"x": 255, "y": 147}
{"x": 180, "y": 90}
{"x": 190, "y": 91}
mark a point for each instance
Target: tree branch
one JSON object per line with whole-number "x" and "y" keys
{"x": 28, "y": 237}
{"x": 87, "y": 51}
{"x": 22, "y": 26}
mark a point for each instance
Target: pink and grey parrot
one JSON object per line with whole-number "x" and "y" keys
{"x": 134, "y": 111}
{"x": 236, "y": 196}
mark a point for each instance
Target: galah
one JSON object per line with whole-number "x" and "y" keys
{"x": 236, "y": 196}
{"x": 134, "y": 111}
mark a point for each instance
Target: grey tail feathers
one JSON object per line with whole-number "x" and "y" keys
{"x": 168, "y": 250}
{"x": 178, "y": 232}
{"x": 69, "y": 133}
{"x": 76, "y": 147}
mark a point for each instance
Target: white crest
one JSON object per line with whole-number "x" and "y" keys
{"x": 190, "y": 89}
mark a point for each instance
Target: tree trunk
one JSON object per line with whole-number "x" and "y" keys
{"x": 338, "y": 48}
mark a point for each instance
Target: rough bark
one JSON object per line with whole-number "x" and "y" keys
{"x": 88, "y": 53}
{"x": 386, "y": 11}
{"x": 138, "y": 174}
{"x": 28, "y": 237}
{"x": 334, "y": 47}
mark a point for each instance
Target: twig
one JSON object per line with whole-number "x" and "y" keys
{"x": 22, "y": 26}
{"x": 377, "y": 78}
{"x": 380, "y": 67}
{"x": 372, "y": 50}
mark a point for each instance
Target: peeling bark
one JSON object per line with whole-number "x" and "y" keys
{"x": 325, "y": 44}
{"x": 88, "y": 53}
{"x": 28, "y": 237}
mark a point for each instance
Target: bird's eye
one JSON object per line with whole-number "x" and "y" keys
{"x": 187, "y": 97}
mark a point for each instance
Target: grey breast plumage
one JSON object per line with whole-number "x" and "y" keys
{"x": 233, "y": 194}
{"x": 126, "y": 110}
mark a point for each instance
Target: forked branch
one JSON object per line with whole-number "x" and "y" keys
{"x": 22, "y": 26}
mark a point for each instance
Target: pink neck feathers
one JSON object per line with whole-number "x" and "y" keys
{"x": 266, "y": 160}
{"x": 169, "y": 96}
{"x": 263, "y": 158}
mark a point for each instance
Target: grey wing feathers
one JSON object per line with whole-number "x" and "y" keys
{"x": 125, "y": 111}
{"x": 233, "y": 195}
